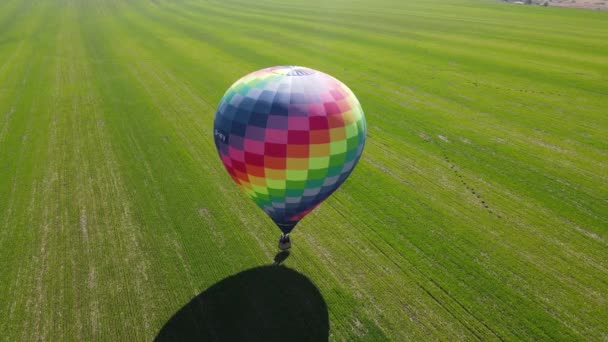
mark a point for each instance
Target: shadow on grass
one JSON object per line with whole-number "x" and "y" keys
{"x": 279, "y": 258}
{"x": 268, "y": 303}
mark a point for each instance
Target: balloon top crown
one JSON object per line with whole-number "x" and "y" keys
{"x": 293, "y": 70}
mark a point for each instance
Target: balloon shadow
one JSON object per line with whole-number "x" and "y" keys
{"x": 268, "y": 303}
{"x": 280, "y": 257}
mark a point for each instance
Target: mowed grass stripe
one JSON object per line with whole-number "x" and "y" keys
{"x": 22, "y": 147}
{"x": 19, "y": 87}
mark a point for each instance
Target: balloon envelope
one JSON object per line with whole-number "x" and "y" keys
{"x": 289, "y": 137}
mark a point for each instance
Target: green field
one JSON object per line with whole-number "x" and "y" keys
{"x": 479, "y": 209}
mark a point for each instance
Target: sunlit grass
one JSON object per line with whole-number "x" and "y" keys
{"x": 479, "y": 208}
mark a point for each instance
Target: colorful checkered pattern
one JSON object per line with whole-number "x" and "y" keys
{"x": 289, "y": 137}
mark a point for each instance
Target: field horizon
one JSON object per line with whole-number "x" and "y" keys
{"x": 479, "y": 209}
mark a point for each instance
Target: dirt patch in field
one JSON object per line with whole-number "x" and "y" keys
{"x": 424, "y": 136}
{"x": 587, "y": 4}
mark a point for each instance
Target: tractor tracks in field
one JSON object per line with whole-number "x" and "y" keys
{"x": 455, "y": 170}
{"x": 514, "y": 90}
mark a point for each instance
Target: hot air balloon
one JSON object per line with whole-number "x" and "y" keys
{"x": 289, "y": 136}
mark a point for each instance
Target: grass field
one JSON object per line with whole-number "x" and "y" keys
{"x": 478, "y": 211}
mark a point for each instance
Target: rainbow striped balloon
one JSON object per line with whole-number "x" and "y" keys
{"x": 289, "y": 136}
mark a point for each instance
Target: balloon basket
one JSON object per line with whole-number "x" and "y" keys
{"x": 284, "y": 242}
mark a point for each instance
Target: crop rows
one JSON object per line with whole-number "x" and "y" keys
{"x": 478, "y": 211}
